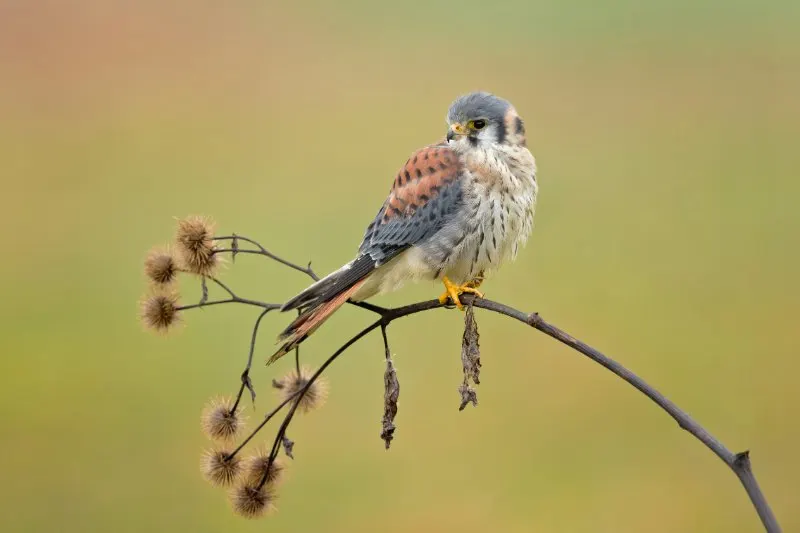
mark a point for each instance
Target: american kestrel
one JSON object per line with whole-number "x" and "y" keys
{"x": 457, "y": 210}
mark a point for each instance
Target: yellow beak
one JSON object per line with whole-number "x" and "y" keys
{"x": 456, "y": 129}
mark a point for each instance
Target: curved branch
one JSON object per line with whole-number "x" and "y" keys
{"x": 302, "y": 392}
{"x": 234, "y": 250}
{"x": 263, "y": 305}
{"x": 234, "y": 298}
{"x": 245, "y": 378}
{"x": 738, "y": 462}
{"x": 266, "y": 253}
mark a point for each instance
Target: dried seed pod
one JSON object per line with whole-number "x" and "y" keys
{"x": 220, "y": 467}
{"x": 470, "y": 347}
{"x": 468, "y": 395}
{"x": 220, "y": 420}
{"x": 160, "y": 266}
{"x": 195, "y": 244}
{"x": 252, "y": 501}
{"x": 293, "y": 382}
{"x": 391, "y": 393}
{"x": 258, "y": 467}
{"x": 159, "y": 310}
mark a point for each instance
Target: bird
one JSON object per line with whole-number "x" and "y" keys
{"x": 457, "y": 210}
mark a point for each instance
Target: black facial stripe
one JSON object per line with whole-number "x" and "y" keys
{"x": 501, "y": 132}
{"x": 473, "y": 140}
{"x": 519, "y": 126}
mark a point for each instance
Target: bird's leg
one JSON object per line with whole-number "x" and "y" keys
{"x": 452, "y": 291}
{"x": 476, "y": 282}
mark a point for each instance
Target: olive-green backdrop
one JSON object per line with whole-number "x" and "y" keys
{"x": 667, "y": 235}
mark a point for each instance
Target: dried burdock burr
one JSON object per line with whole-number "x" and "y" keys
{"x": 159, "y": 310}
{"x": 252, "y": 501}
{"x": 160, "y": 266}
{"x": 195, "y": 245}
{"x": 293, "y": 382}
{"x": 220, "y": 420}
{"x": 220, "y": 467}
{"x": 258, "y": 468}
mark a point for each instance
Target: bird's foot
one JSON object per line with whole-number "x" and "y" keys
{"x": 475, "y": 282}
{"x": 453, "y": 291}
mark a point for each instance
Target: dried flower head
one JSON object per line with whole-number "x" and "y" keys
{"x": 195, "y": 239}
{"x": 391, "y": 393}
{"x": 468, "y": 396}
{"x": 159, "y": 310}
{"x": 250, "y": 501}
{"x": 288, "y": 446}
{"x": 470, "y": 348}
{"x": 160, "y": 266}
{"x": 220, "y": 420}
{"x": 220, "y": 468}
{"x": 294, "y": 381}
{"x": 258, "y": 465}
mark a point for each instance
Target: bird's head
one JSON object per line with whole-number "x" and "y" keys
{"x": 483, "y": 119}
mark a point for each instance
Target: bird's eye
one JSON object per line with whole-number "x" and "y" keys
{"x": 479, "y": 124}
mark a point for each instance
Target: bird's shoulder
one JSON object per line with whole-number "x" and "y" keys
{"x": 424, "y": 177}
{"x": 425, "y": 194}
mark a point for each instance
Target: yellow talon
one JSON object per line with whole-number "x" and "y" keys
{"x": 452, "y": 291}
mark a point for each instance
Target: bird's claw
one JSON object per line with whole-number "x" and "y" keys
{"x": 452, "y": 292}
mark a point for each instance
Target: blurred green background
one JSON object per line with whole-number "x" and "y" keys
{"x": 667, "y": 235}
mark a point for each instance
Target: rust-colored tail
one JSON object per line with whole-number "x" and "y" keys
{"x": 309, "y": 320}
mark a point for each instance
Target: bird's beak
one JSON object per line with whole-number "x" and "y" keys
{"x": 455, "y": 129}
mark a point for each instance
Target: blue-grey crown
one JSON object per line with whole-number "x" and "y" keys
{"x": 478, "y": 105}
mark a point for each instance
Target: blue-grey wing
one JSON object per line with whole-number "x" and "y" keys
{"x": 426, "y": 195}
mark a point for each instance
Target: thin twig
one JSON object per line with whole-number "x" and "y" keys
{"x": 263, "y": 251}
{"x": 234, "y": 298}
{"x": 305, "y": 270}
{"x": 288, "y": 419}
{"x": 246, "y": 383}
{"x": 263, "y": 423}
{"x": 370, "y": 307}
{"x": 386, "y": 351}
{"x": 263, "y": 305}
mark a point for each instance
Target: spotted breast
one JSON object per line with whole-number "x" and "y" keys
{"x": 499, "y": 198}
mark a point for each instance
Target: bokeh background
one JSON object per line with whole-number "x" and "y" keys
{"x": 666, "y": 235}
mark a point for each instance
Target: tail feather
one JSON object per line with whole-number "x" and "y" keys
{"x": 333, "y": 284}
{"x": 310, "y": 319}
{"x": 311, "y": 295}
